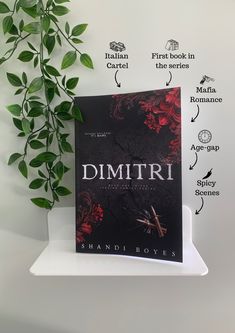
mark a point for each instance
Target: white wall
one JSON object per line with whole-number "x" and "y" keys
{"x": 85, "y": 305}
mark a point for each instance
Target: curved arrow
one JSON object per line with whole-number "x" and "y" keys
{"x": 198, "y": 211}
{"x": 198, "y": 111}
{"x": 167, "y": 83}
{"x": 118, "y": 84}
{"x": 192, "y": 166}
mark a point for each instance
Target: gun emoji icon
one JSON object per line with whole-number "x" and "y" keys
{"x": 206, "y": 78}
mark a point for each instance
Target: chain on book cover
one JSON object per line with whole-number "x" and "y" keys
{"x": 128, "y": 175}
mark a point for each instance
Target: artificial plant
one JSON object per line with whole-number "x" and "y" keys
{"x": 47, "y": 98}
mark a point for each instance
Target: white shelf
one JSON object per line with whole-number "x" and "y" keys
{"x": 60, "y": 259}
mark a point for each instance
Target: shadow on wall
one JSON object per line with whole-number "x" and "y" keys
{"x": 15, "y": 325}
{"x": 17, "y": 213}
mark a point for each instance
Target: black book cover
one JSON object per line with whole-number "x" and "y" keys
{"x": 128, "y": 175}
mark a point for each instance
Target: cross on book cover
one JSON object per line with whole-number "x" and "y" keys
{"x": 128, "y": 175}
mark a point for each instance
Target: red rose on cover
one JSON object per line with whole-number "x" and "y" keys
{"x": 89, "y": 213}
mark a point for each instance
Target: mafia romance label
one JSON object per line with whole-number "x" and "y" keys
{"x": 128, "y": 175}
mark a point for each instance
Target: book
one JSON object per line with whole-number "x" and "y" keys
{"x": 128, "y": 175}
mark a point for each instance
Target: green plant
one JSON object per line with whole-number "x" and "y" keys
{"x": 47, "y": 99}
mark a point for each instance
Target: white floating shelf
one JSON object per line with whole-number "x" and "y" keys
{"x": 60, "y": 259}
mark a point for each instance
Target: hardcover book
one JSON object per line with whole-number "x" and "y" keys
{"x": 128, "y": 175}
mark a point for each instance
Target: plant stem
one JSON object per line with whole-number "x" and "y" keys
{"x": 17, "y": 42}
{"x": 65, "y": 37}
{"x": 63, "y": 89}
{"x": 47, "y": 102}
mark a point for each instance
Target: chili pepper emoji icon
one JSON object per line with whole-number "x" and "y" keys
{"x": 209, "y": 173}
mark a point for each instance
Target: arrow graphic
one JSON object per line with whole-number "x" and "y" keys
{"x": 118, "y": 84}
{"x": 167, "y": 83}
{"x": 198, "y": 111}
{"x": 192, "y": 166}
{"x": 198, "y": 211}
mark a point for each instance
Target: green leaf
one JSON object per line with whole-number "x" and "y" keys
{"x": 36, "y": 183}
{"x": 4, "y": 8}
{"x": 24, "y": 78}
{"x": 50, "y": 94}
{"x": 76, "y": 112}
{"x": 35, "y": 144}
{"x": 23, "y": 168}
{"x": 52, "y": 71}
{"x": 42, "y": 203}
{"x": 53, "y": 18}
{"x": 36, "y": 61}
{"x": 46, "y": 186}
{"x": 31, "y": 11}
{"x": 33, "y": 28}
{"x": 60, "y": 10}
{"x": 21, "y": 25}
{"x": 50, "y": 84}
{"x": 64, "y": 116}
{"x": 59, "y": 169}
{"x": 86, "y": 60}
{"x": 27, "y": 3}
{"x": 2, "y": 60}
{"x": 55, "y": 196}
{"x": 32, "y": 124}
{"x": 62, "y": 191}
{"x": 72, "y": 83}
{"x": 41, "y": 174}
{"x": 46, "y": 21}
{"x": 35, "y": 85}
{"x": 7, "y": 23}
{"x": 58, "y": 39}
{"x": 15, "y": 109}
{"x": 34, "y": 163}
{"x": 69, "y": 59}
{"x": 26, "y": 56}
{"x": 26, "y": 126}
{"x": 13, "y": 30}
{"x": 13, "y": 158}
{"x": 35, "y": 112}
{"x": 14, "y": 80}
{"x": 18, "y": 123}
{"x": 67, "y": 28}
{"x": 79, "y": 29}
{"x": 49, "y": 3}
{"x": 36, "y": 104}
{"x": 31, "y": 46}
{"x": 55, "y": 183}
{"x": 63, "y": 80}
{"x": 46, "y": 157}
{"x": 63, "y": 107}
{"x": 11, "y": 39}
{"x": 43, "y": 134}
{"x": 66, "y": 147}
{"x": 19, "y": 91}
{"x": 50, "y": 140}
{"x": 77, "y": 40}
{"x": 66, "y": 169}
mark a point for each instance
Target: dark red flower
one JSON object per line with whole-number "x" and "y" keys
{"x": 163, "y": 121}
{"x": 173, "y": 97}
{"x": 160, "y": 108}
{"x": 98, "y": 212}
{"x": 85, "y": 228}
{"x": 152, "y": 123}
{"x": 89, "y": 213}
{"x": 79, "y": 237}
